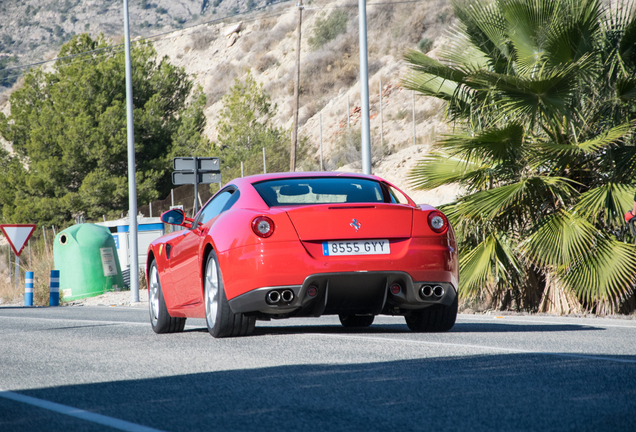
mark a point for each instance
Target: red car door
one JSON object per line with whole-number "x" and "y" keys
{"x": 184, "y": 268}
{"x": 185, "y": 263}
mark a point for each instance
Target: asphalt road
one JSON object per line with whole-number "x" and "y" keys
{"x": 102, "y": 368}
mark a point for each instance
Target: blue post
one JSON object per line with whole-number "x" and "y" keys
{"x": 28, "y": 288}
{"x": 55, "y": 288}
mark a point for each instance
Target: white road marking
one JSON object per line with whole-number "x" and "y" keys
{"x": 75, "y": 320}
{"x": 77, "y": 413}
{"x": 540, "y": 321}
{"x": 91, "y": 321}
{"x": 483, "y": 347}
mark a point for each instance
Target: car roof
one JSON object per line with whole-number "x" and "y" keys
{"x": 313, "y": 174}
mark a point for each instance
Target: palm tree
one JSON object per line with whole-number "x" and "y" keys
{"x": 542, "y": 94}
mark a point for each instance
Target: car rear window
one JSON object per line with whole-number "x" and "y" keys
{"x": 322, "y": 190}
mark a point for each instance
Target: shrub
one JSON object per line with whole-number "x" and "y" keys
{"x": 326, "y": 29}
{"x": 202, "y": 41}
{"x": 265, "y": 62}
{"x": 425, "y": 45}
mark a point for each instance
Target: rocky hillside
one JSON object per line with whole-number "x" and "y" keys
{"x": 31, "y": 30}
{"x": 264, "y": 42}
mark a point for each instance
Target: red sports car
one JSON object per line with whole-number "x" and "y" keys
{"x": 304, "y": 245}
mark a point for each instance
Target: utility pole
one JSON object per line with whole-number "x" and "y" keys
{"x": 364, "y": 88}
{"x": 132, "y": 183}
{"x": 292, "y": 153}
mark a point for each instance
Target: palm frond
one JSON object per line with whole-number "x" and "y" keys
{"x": 420, "y": 62}
{"x": 522, "y": 197}
{"x": 607, "y": 272}
{"x": 494, "y": 144}
{"x": 599, "y": 142}
{"x": 491, "y": 263}
{"x": 526, "y": 22}
{"x": 546, "y": 95}
{"x": 483, "y": 25}
{"x": 574, "y": 32}
{"x": 559, "y": 240}
{"x": 627, "y": 47}
{"x": 438, "y": 169}
{"x": 610, "y": 201}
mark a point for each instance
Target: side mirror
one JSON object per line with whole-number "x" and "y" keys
{"x": 174, "y": 217}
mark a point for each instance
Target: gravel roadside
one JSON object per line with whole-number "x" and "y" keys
{"x": 115, "y": 298}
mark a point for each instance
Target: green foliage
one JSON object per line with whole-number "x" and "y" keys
{"x": 425, "y": 45}
{"x": 7, "y": 77}
{"x": 68, "y": 130}
{"x": 326, "y": 29}
{"x": 245, "y": 128}
{"x": 542, "y": 97}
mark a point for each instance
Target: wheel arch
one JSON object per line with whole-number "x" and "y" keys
{"x": 149, "y": 261}
{"x": 206, "y": 253}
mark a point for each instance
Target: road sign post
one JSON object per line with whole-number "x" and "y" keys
{"x": 195, "y": 171}
{"x": 18, "y": 236}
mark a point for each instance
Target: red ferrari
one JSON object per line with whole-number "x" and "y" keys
{"x": 304, "y": 245}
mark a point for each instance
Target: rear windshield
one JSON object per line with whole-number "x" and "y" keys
{"x": 322, "y": 190}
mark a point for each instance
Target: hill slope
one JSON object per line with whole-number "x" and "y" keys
{"x": 264, "y": 42}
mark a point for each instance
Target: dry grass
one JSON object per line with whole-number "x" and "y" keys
{"x": 392, "y": 29}
{"x": 202, "y": 40}
{"x": 265, "y": 61}
{"x": 221, "y": 82}
{"x": 41, "y": 264}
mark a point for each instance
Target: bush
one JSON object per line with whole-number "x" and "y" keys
{"x": 326, "y": 29}
{"x": 425, "y": 45}
{"x": 203, "y": 40}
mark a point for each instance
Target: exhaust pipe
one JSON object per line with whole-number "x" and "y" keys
{"x": 287, "y": 296}
{"x": 438, "y": 291}
{"x": 426, "y": 291}
{"x": 273, "y": 297}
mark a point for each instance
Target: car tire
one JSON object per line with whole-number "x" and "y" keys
{"x": 220, "y": 319}
{"x": 437, "y": 318}
{"x": 160, "y": 319}
{"x": 351, "y": 321}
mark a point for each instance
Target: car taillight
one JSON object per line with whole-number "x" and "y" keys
{"x": 263, "y": 226}
{"x": 437, "y": 221}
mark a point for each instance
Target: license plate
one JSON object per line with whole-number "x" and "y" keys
{"x": 356, "y": 247}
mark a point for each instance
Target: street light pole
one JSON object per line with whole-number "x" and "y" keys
{"x": 132, "y": 184}
{"x": 364, "y": 88}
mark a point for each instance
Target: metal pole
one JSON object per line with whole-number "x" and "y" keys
{"x": 242, "y": 175}
{"x": 30, "y": 252}
{"x": 264, "y": 164}
{"x": 381, "y": 120}
{"x": 413, "y": 106}
{"x": 172, "y": 197}
{"x": 196, "y": 185}
{"x": 17, "y": 273}
{"x": 292, "y": 153}
{"x": 44, "y": 235}
{"x": 54, "y": 233}
{"x": 150, "y": 209}
{"x": 132, "y": 184}
{"x": 10, "y": 274}
{"x": 364, "y": 88}
{"x": 320, "y": 124}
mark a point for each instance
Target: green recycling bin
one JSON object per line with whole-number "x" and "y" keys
{"x": 86, "y": 256}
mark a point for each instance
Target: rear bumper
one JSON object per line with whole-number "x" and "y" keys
{"x": 291, "y": 264}
{"x": 345, "y": 293}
